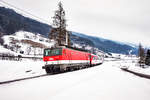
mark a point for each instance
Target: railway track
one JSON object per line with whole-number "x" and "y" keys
{"x": 27, "y": 78}
{"x": 32, "y": 77}
{"x": 21, "y": 79}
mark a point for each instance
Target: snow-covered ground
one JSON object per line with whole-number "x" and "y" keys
{"x": 10, "y": 70}
{"x": 103, "y": 82}
{"x": 132, "y": 65}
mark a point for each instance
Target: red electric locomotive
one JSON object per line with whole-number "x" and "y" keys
{"x": 64, "y": 58}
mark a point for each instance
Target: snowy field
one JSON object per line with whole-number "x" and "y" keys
{"x": 10, "y": 70}
{"x": 103, "y": 82}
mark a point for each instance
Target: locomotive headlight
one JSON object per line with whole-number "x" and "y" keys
{"x": 51, "y": 58}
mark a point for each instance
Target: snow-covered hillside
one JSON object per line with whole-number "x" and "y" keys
{"x": 4, "y": 50}
{"x": 29, "y": 44}
{"x": 26, "y": 43}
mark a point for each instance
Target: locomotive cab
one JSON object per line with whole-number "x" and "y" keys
{"x": 51, "y": 54}
{"x": 52, "y": 58}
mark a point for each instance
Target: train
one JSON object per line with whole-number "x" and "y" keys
{"x": 63, "y": 58}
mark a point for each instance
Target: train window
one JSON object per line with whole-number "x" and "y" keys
{"x": 52, "y": 52}
{"x": 46, "y": 52}
{"x": 93, "y": 58}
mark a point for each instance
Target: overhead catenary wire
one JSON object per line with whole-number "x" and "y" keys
{"x": 1, "y": 4}
{"x": 28, "y": 13}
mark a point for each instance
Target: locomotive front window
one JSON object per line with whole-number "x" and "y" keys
{"x": 52, "y": 52}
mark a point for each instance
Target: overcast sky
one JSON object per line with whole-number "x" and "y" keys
{"x": 121, "y": 20}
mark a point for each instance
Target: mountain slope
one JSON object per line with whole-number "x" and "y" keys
{"x": 12, "y": 22}
{"x": 109, "y": 45}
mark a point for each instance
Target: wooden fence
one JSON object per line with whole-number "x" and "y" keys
{"x": 4, "y": 56}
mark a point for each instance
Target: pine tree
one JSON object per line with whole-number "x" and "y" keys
{"x": 59, "y": 32}
{"x": 141, "y": 54}
{"x": 147, "y": 59}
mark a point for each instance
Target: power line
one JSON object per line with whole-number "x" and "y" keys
{"x": 22, "y": 10}
{"x": 2, "y": 4}
{"x": 41, "y": 19}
